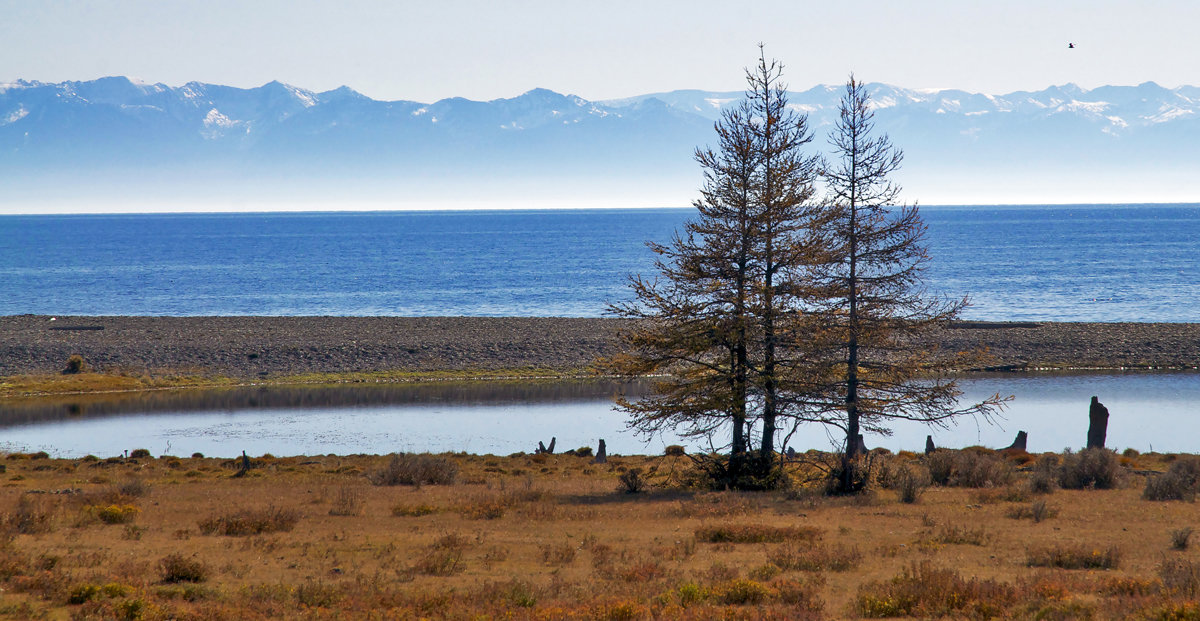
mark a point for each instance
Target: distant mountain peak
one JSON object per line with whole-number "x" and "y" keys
{"x": 116, "y": 123}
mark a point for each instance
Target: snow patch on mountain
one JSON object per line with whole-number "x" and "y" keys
{"x": 16, "y": 115}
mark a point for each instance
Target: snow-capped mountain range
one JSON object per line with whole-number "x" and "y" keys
{"x": 114, "y": 132}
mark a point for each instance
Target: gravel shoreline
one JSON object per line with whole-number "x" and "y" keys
{"x": 256, "y": 347}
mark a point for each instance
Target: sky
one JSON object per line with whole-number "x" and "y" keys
{"x": 433, "y": 49}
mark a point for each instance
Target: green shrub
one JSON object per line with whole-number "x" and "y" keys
{"x": 808, "y": 557}
{"x": 83, "y": 593}
{"x": 444, "y": 557}
{"x": 1045, "y": 477}
{"x": 970, "y": 467}
{"x": 140, "y": 453}
{"x": 75, "y": 364}
{"x": 1037, "y": 512}
{"x": 1094, "y": 468}
{"x": 754, "y": 533}
{"x": 413, "y": 510}
{"x": 33, "y": 515}
{"x": 1066, "y": 556}
{"x": 179, "y": 568}
{"x": 1180, "y": 538}
{"x": 741, "y": 592}
{"x": 314, "y": 593}
{"x": 414, "y": 469}
{"x": 951, "y": 534}
{"x": 1180, "y": 577}
{"x": 1178, "y": 483}
{"x": 250, "y": 522}
{"x": 112, "y": 514}
{"x": 347, "y": 502}
{"x": 632, "y": 481}
{"x": 926, "y": 591}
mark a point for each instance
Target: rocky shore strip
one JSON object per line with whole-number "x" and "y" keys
{"x": 261, "y": 347}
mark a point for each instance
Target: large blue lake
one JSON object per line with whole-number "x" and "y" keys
{"x": 1059, "y": 263}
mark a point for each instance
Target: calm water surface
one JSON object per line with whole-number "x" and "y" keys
{"x": 1149, "y": 411}
{"x": 1038, "y": 263}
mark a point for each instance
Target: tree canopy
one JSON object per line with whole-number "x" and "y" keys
{"x": 775, "y": 307}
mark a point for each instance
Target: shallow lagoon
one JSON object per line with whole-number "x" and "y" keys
{"x": 1149, "y": 411}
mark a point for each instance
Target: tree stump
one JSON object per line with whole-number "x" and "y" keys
{"x": 549, "y": 450}
{"x": 601, "y": 456}
{"x": 1097, "y": 424}
{"x": 929, "y": 447}
{"x": 1018, "y": 444}
{"x": 245, "y": 466}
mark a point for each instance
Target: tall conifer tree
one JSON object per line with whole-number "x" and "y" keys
{"x": 717, "y": 323}
{"x": 877, "y": 315}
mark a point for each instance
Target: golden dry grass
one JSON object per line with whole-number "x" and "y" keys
{"x": 552, "y": 537}
{"x": 39, "y": 386}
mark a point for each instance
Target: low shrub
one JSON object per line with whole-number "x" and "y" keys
{"x": 250, "y": 522}
{"x": 516, "y": 593}
{"x": 82, "y": 593}
{"x": 973, "y": 468}
{"x": 179, "y": 568}
{"x": 1180, "y": 538}
{"x": 755, "y": 533}
{"x": 444, "y": 557}
{"x": 1045, "y": 475}
{"x": 1164, "y": 487}
{"x": 485, "y": 507}
{"x": 968, "y": 468}
{"x": 940, "y": 465}
{"x": 632, "y": 481}
{"x": 139, "y": 453}
{"x": 132, "y": 488}
{"x": 1178, "y": 483}
{"x": 951, "y": 534}
{"x": 1066, "y": 556}
{"x": 414, "y": 469}
{"x": 1094, "y": 468}
{"x": 75, "y": 365}
{"x": 348, "y": 501}
{"x": 112, "y": 514}
{"x": 413, "y": 510}
{"x": 33, "y": 515}
{"x": 1180, "y": 577}
{"x": 898, "y": 473}
{"x": 317, "y": 594}
{"x": 741, "y": 592}
{"x": 557, "y": 554}
{"x": 793, "y": 557}
{"x": 926, "y": 591}
{"x": 1037, "y": 511}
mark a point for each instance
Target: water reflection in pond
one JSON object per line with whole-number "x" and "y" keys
{"x": 1159, "y": 411}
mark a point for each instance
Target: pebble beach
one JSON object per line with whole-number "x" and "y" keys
{"x": 257, "y": 347}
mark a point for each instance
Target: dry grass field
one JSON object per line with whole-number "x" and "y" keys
{"x": 559, "y": 537}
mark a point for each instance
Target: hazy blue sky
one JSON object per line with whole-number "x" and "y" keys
{"x": 486, "y": 49}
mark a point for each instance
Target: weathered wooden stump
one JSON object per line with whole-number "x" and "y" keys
{"x": 1097, "y": 424}
{"x": 245, "y": 466}
{"x": 929, "y": 447}
{"x": 1018, "y": 444}
{"x": 549, "y": 450}
{"x": 601, "y": 456}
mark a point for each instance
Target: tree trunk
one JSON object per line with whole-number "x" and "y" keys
{"x": 1097, "y": 424}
